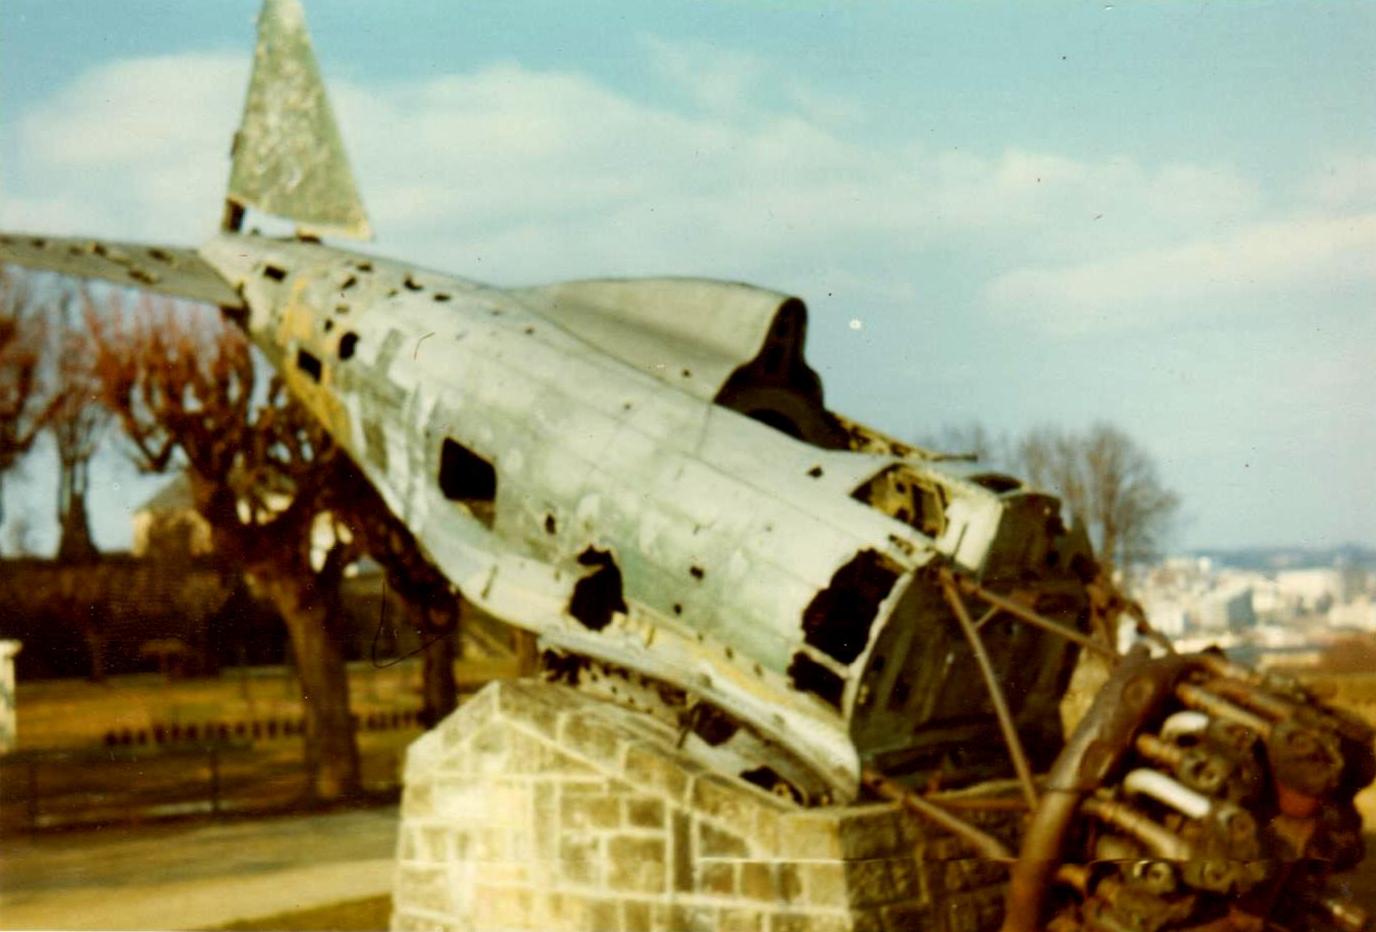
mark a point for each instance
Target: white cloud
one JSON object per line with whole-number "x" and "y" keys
{"x": 1345, "y": 182}
{"x": 516, "y": 175}
{"x": 717, "y": 80}
{"x": 1300, "y": 261}
{"x": 137, "y": 148}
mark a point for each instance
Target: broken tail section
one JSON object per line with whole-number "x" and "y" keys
{"x": 288, "y": 156}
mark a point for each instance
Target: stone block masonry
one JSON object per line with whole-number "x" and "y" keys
{"x": 536, "y": 807}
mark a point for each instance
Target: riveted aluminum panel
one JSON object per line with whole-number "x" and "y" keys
{"x": 289, "y": 158}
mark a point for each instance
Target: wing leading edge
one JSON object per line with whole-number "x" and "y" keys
{"x": 170, "y": 270}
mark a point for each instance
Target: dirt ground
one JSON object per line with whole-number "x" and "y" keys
{"x": 198, "y": 875}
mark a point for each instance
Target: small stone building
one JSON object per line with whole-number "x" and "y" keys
{"x": 535, "y": 806}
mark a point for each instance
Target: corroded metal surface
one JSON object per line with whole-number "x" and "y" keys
{"x": 741, "y": 554}
{"x": 288, "y": 155}
{"x": 170, "y": 270}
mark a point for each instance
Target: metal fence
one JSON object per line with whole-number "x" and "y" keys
{"x": 137, "y": 778}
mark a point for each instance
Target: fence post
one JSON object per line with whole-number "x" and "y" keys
{"x": 215, "y": 779}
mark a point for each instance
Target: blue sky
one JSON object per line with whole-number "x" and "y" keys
{"x": 1162, "y": 215}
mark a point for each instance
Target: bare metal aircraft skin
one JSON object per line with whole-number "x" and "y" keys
{"x": 643, "y": 473}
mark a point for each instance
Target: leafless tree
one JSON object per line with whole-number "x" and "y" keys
{"x": 264, "y": 475}
{"x": 22, "y": 401}
{"x": 1110, "y": 482}
{"x": 1101, "y": 474}
{"x": 182, "y": 384}
{"x": 971, "y": 441}
{"x": 77, "y": 419}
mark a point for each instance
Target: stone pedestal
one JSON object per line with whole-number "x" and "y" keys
{"x": 9, "y": 731}
{"x": 537, "y": 807}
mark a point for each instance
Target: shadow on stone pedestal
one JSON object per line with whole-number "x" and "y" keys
{"x": 537, "y": 807}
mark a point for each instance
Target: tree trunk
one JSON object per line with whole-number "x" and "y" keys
{"x": 95, "y": 646}
{"x": 311, "y": 613}
{"x": 75, "y": 544}
{"x": 440, "y": 692}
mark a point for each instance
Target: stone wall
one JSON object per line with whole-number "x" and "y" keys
{"x": 537, "y": 807}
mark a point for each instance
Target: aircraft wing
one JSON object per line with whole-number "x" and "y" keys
{"x": 171, "y": 270}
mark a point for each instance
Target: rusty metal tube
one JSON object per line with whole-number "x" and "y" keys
{"x": 1160, "y": 752}
{"x": 1199, "y": 698}
{"x": 984, "y": 843}
{"x": 991, "y": 682}
{"x": 1029, "y": 616}
{"x": 1188, "y": 722}
{"x": 1253, "y": 697}
{"x": 1159, "y": 840}
{"x": 1168, "y": 790}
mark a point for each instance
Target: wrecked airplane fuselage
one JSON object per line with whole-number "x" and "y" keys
{"x": 567, "y": 456}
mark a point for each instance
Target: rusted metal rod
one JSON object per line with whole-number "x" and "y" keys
{"x": 983, "y": 842}
{"x": 1196, "y": 697}
{"x": 991, "y": 682}
{"x": 983, "y": 803}
{"x": 1162, "y": 752}
{"x": 1159, "y": 840}
{"x": 1027, "y": 615}
{"x": 987, "y": 617}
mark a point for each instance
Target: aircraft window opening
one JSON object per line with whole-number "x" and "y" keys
{"x": 906, "y": 496}
{"x": 309, "y": 364}
{"x": 815, "y": 472}
{"x": 466, "y": 477}
{"x": 441, "y": 296}
{"x": 341, "y": 308}
{"x": 349, "y": 283}
{"x": 411, "y": 284}
{"x": 329, "y": 325}
{"x": 347, "y": 344}
{"x": 275, "y": 272}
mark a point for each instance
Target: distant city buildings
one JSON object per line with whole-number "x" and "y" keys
{"x": 1281, "y": 614}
